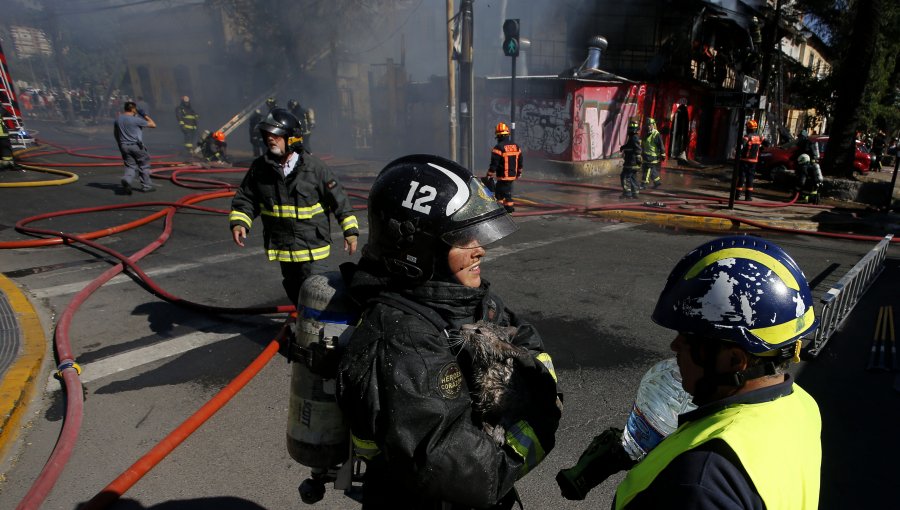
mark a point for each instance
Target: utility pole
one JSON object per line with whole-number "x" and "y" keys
{"x": 467, "y": 86}
{"x": 451, "y": 85}
{"x": 766, "y": 72}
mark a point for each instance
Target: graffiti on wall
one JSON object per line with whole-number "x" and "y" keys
{"x": 601, "y": 119}
{"x": 542, "y": 126}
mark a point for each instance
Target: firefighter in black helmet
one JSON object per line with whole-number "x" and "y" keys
{"x": 294, "y": 193}
{"x": 631, "y": 161}
{"x": 406, "y": 380}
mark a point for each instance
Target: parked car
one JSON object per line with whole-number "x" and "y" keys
{"x": 785, "y": 155}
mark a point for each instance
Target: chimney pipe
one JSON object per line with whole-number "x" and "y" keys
{"x": 596, "y": 46}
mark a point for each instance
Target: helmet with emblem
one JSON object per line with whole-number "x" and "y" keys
{"x": 752, "y": 125}
{"x": 740, "y": 289}
{"x": 501, "y": 130}
{"x": 420, "y": 206}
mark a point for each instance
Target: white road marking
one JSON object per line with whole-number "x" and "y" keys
{"x": 137, "y": 357}
{"x": 501, "y": 251}
{"x": 72, "y": 288}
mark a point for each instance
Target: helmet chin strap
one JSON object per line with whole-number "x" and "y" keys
{"x": 705, "y": 354}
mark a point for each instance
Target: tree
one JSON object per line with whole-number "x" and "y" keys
{"x": 864, "y": 35}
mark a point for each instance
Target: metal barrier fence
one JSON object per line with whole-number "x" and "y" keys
{"x": 839, "y": 301}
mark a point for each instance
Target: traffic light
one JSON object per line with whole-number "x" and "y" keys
{"x": 511, "y": 38}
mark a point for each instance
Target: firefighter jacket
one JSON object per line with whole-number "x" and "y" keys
{"x": 653, "y": 148}
{"x": 761, "y": 449}
{"x": 294, "y": 209}
{"x": 506, "y": 160}
{"x": 750, "y": 146}
{"x": 212, "y": 149}
{"x": 187, "y": 118}
{"x": 631, "y": 153}
{"x": 404, "y": 388}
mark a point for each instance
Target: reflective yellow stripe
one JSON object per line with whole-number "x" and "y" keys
{"x": 522, "y": 439}
{"x": 300, "y": 255}
{"x": 548, "y": 362}
{"x": 349, "y": 222}
{"x": 744, "y": 253}
{"x": 241, "y": 217}
{"x": 364, "y": 448}
{"x": 289, "y": 211}
{"x": 777, "y": 333}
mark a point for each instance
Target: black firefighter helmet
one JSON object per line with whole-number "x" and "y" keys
{"x": 281, "y": 122}
{"x": 420, "y": 206}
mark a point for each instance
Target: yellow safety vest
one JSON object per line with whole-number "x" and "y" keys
{"x": 779, "y": 444}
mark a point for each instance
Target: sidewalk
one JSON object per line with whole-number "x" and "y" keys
{"x": 22, "y": 350}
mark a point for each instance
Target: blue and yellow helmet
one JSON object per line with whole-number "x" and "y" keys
{"x": 739, "y": 289}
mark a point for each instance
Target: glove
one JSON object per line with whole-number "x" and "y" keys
{"x": 604, "y": 457}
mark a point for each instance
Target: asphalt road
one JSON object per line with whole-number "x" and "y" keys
{"x": 588, "y": 285}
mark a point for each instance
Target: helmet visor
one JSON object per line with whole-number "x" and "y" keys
{"x": 481, "y": 220}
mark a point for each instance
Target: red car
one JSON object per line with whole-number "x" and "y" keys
{"x": 784, "y": 155}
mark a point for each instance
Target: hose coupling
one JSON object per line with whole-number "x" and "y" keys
{"x": 67, "y": 364}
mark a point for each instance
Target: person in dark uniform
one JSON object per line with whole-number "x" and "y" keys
{"x": 307, "y": 118}
{"x": 256, "y": 141}
{"x": 505, "y": 168}
{"x": 7, "y": 161}
{"x": 631, "y": 161}
{"x": 748, "y": 152}
{"x": 739, "y": 307}
{"x": 406, "y": 380}
{"x": 187, "y": 122}
{"x": 213, "y": 147}
{"x": 294, "y": 193}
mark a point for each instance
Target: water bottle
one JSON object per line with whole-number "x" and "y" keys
{"x": 659, "y": 401}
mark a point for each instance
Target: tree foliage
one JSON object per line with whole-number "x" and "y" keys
{"x": 865, "y": 37}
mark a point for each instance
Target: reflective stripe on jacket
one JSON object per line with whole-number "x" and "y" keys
{"x": 778, "y": 443}
{"x": 750, "y": 148}
{"x": 187, "y": 118}
{"x": 295, "y": 209}
{"x": 506, "y": 161}
{"x": 653, "y": 147}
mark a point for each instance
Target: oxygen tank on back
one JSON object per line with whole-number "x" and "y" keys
{"x": 317, "y": 434}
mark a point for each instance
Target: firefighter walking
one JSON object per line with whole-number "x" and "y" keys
{"x": 506, "y": 167}
{"x": 749, "y": 154}
{"x": 294, "y": 193}
{"x": 631, "y": 162}
{"x": 187, "y": 122}
{"x": 653, "y": 154}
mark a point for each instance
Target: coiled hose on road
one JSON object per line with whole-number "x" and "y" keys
{"x": 187, "y": 177}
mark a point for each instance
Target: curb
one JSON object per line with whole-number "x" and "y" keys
{"x": 19, "y": 382}
{"x": 687, "y": 221}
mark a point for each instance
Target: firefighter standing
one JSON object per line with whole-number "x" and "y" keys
{"x": 754, "y": 440}
{"x": 7, "y": 162}
{"x": 631, "y": 161}
{"x": 505, "y": 168}
{"x": 307, "y": 118}
{"x": 404, "y": 383}
{"x": 749, "y": 154}
{"x": 294, "y": 193}
{"x": 187, "y": 122}
{"x": 654, "y": 153}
